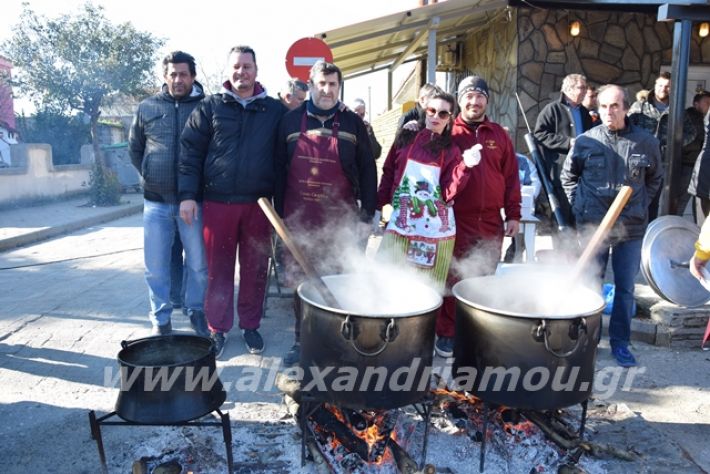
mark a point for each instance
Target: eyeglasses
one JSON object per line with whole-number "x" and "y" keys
{"x": 442, "y": 114}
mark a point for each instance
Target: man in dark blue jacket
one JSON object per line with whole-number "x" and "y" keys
{"x": 602, "y": 160}
{"x": 154, "y": 146}
{"x": 228, "y": 157}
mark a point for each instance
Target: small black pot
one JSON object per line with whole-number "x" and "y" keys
{"x": 388, "y": 355}
{"x": 168, "y": 380}
{"x": 525, "y": 360}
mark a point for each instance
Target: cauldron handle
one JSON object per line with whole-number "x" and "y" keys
{"x": 127, "y": 344}
{"x": 541, "y": 332}
{"x": 346, "y": 330}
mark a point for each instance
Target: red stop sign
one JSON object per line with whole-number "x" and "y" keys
{"x": 303, "y": 54}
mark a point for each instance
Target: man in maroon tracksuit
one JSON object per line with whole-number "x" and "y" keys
{"x": 494, "y": 185}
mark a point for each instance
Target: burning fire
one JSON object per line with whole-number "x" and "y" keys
{"x": 374, "y": 422}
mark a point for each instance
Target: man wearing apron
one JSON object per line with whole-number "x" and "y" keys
{"x": 324, "y": 169}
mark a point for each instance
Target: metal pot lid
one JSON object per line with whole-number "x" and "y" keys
{"x": 667, "y": 249}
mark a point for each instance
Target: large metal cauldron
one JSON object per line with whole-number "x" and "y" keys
{"x": 376, "y": 352}
{"x": 168, "y": 380}
{"x": 531, "y": 342}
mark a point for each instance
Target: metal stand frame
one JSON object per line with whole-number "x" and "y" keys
{"x": 96, "y": 424}
{"x": 486, "y": 411}
{"x": 272, "y": 276}
{"x": 310, "y": 404}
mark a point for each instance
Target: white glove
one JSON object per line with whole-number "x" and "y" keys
{"x": 376, "y": 221}
{"x": 472, "y": 156}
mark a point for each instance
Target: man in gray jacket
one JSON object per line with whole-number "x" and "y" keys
{"x": 602, "y": 160}
{"x": 154, "y": 146}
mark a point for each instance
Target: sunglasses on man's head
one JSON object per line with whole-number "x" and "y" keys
{"x": 442, "y": 114}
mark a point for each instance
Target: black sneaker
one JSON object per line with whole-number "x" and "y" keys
{"x": 219, "y": 339}
{"x": 293, "y": 356}
{"x": 198, "y": 322}
{"x": 253, "y": 340}
{"x": 162, "y": 329}
{"x": 444, "y": 346}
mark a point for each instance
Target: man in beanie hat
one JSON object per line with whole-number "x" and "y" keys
{"x": 494, "y": 185}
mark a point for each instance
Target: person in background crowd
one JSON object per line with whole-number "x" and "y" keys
{"x": 590, "y": 103}
{"x": 416, "y": 112}
{"x": 5, "y": 157}
{"x": 494, "y": 185}
{"x": 602, "y": 160}
{"x": 153, "y": 146}
{"x": 527, "y": 173}
{"x": 421, "y": 177}
{"x": 324, "y": 168}
{"x": 177, "y": 275}
{"x": 360, "y": 109}
{"x": 228, "y": 155}
{"x": 293, "y": 94}
{"x": 558, "y": 125}
{"x": 691, "y": 151}
{"x": 651, "y": 113}
{"x": 702, "y": 252}
{"x": 700, "y": 180}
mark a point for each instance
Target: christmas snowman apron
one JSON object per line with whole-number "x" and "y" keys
{"x": 421, "y": 230}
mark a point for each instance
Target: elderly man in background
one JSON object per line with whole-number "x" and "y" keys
{"x": 360, "y": 109}
{"x": 153, "y": 146}
{"x": 293, "y": 93}
{"x": 607, "y": 157}
{"x": 228, "y": 155}
{"x": 558, "y": 125}
{"x": 494, "y": 185}
{"x": 326, "y": 177}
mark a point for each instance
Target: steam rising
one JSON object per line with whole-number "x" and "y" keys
{"x": 374, "y": 286}
{"x": 368, "y": 285}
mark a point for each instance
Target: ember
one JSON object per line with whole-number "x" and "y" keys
{"x": 526, "y": 440}
{"x": 362, "y": 441}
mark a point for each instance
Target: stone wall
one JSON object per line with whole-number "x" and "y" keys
{"x": 493, "y": 54}
{"x": 623, "y": 48}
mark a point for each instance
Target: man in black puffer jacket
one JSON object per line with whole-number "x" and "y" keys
{"x": 602, "y": 160}
{"x": 154, "y": 145}
{"x": 228, "y": 156}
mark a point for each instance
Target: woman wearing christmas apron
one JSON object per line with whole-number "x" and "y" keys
{"x": 420, "y": 178}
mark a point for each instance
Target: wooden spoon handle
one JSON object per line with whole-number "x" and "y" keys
{"x": 295, "y": 250}
{"x": 602, "y": 231}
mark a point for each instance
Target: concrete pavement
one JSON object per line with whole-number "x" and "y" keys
{"x": 26, "y": 225}
{"x": 66, "y": 303}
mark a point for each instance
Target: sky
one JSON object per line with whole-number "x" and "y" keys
{"x": 207, "y": 29}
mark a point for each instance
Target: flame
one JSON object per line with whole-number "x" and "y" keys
{"x": 371, "y": 435}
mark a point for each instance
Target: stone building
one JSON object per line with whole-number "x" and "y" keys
{"x": 520, "y": 47}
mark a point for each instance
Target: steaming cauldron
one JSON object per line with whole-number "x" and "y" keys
{"x": 532, "y": 345}
{"x": 376, "y": 352}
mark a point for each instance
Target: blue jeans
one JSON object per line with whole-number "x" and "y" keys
{"x": 160, "y": 223}
{"x": 625, "y": 262}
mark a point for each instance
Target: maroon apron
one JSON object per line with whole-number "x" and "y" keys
{"x": 318, "y": 194}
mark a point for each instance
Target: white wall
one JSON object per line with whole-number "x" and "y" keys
{"x": 34, "y": 177}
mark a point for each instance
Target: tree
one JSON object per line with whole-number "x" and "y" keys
{"x": 80, "y": 63}
{"x": 65, "y": 134}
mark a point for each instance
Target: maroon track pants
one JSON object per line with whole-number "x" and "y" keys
{"x": 226, "y": 228}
